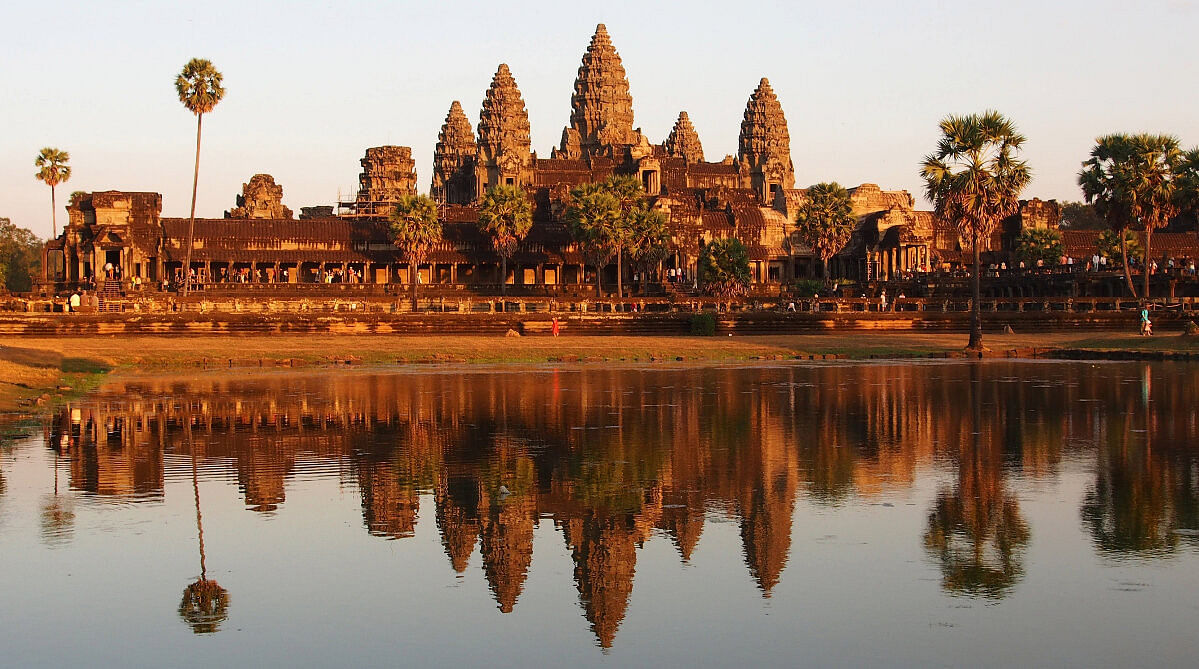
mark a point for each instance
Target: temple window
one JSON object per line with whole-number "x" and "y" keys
{"x": 651, "y": 182}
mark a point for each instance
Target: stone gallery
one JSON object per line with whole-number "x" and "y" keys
{"x": 750, "y": 196}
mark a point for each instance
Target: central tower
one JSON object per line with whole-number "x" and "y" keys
{"x": 601, "y": 108}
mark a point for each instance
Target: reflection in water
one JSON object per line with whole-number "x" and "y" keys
{"x": 58, "y": 514}
{"x": 205, "y": 604}
{"x": 975, "y": 529}
{"x": 613, "y": 458}
{"x": 1145, "y": 498}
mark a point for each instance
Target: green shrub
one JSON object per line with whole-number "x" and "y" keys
{"x": 703, "y": 325}
{"x": 806, "y": 287}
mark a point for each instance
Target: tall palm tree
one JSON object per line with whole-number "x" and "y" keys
{"x": 592, "y": 215}
{"x": 1106, "y": 185}
{"x": 53, "y": 171}
{"x": 629, "y": 193}
{"x": 199, "y": 88}
{"x": 974, "y": 180}
{"x": 415, "y": 230}
{"x": 1188, "y": 183}
{"x": 1132, "y": 180}
{"x": 825, "y": 221}
{"x": 649, "y": 239}
{"x": 506, "y": 216}
{"x": 601, "y": 215}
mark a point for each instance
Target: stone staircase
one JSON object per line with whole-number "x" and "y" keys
{"x": 109, "y": 294}
{"x": 677, "y": 292}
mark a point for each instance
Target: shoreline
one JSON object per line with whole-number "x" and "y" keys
{"x": 38, "y": 372}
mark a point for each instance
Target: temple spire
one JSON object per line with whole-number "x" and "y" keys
{"x": 764, "y": 147}
{"x": 683, "y": 141}
{"x": 454, "y": 158}
{"x": 601, "y": 108}
{"x": 504, "y": 151}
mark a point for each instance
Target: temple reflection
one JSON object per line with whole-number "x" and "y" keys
{"x": 614, "y": 457}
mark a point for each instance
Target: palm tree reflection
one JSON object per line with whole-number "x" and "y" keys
{"x": 58, "y": 514}
{"x": 1145, "y": 498}
{"x": 975, "y": 529}
{"x": 205, "y": 603}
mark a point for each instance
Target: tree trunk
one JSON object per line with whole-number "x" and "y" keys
{"x": 53, "y": 214}
{"x": 826, "y": 276}
{"x": 599, "y": 284}
{"x": 503, "y": 275}
{"x": 191, "y": 225}
{"x": 976, "y": 326}
{"x": 1132, "y": 290}
{"x": 1148, "y": 255}
{"x": 619, "y": 278}
{"x": 415, "y": 279}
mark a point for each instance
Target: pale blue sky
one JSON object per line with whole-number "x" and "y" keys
{"x": 312, "y": 84}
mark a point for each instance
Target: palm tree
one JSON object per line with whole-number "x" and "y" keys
{"x": 724, "y": 268}
{"x": 506, "y": 216}
{"x": 630, "y": 194}
{"x": 600, "y": 216}
{"x": 199, "y": 88}
{"x": 974, "y": 180}
{"x": 649, "y": 239}
{"x": 1106, "y": 185}
{"x": 1132, "y": 180}
{"x": 53, "y": 171}
{"x": 825, "y": 221}
{"x": 592, "y": 215}
{"x": 415, "y": 230}
{"x": 1188, "y": 183}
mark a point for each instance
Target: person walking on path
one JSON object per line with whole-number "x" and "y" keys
{"x": 1146, "y": 324}
{"x": 554, "y": 326}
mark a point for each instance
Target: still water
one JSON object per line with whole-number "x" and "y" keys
{"x": 956, "y": 514}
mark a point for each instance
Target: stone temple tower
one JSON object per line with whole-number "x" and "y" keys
{"x": 601, "y": 108}
{"x": 764, "y": 147}
{"x": 504, "y": 154}
{"x": 388, "y": 172}
{"x": 683, "y": 141}
{"x": 454, "y": 159}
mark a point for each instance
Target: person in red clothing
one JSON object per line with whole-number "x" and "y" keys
{"x": 554, "y": 326}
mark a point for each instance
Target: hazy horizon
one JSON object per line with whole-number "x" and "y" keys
{"x": 311, "y": 85}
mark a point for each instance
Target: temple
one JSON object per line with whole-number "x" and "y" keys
{"x": 750, "y": 196}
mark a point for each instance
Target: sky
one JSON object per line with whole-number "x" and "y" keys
{"x": 311, "y": 85}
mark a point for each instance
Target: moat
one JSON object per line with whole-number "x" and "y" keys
{"x": 890, "y": 514}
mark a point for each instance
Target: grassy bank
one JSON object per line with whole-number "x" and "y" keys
{"x": 36, "y": 371}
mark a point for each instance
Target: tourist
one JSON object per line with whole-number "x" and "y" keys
{"x": 791, "y": 306}
{"x": 73, "y": 303}
{"x": 1146, "y": 324}
{"x": 554, "y": 326}
{"x": 882, "y": 300}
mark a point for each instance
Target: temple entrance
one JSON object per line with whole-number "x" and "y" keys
{"x": 112, "y": 263}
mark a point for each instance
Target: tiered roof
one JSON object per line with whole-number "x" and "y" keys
{"x": 504, "y": 120}
{"x": 454, "y": 153}
{"x": 601, "y": 108}
{"x": 764, "y": 137}
{"x": 683, "y": 141}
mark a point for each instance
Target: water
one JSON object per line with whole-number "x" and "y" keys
{"x": 952, "y": 514}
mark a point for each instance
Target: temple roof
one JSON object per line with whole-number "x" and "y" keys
{"x": 683, "y": 141}
{"x": 601, "y": 106}
{"x": 764, "y": 132}
{"x": 504, "y": 120}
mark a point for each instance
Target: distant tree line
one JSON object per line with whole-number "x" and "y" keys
{"x": 20, "y": 257}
